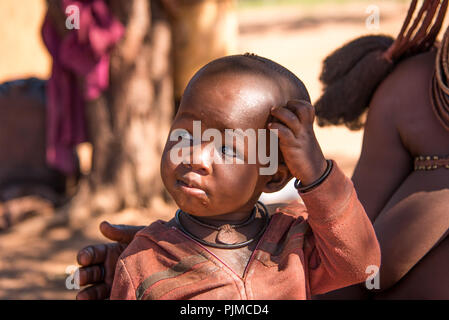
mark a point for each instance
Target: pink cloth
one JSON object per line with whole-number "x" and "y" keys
{"x": 80, "y": 73}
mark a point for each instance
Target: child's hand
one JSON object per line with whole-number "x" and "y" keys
{"x": 299, "y": 146}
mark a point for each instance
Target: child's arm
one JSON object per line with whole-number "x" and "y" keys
{"x": 343, "y": 242}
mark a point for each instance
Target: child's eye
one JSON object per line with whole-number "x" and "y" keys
{"x": 185, "y": 135}
{"x": 228, "y": 151}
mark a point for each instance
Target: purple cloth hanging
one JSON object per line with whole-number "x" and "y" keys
{"x": 80, "y": 73}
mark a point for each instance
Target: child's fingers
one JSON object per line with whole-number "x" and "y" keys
{"x": 99, "y": 291}
{"x": 284, "y": 132}
{"x": 303, "y": 110}
{"x": 287, "y": 117}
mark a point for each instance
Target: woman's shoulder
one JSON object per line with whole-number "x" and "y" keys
{"x": 406, "y": 85}
{"x": 403, "y": 102}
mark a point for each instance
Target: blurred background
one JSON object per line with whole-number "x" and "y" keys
{"x": 48, "y": 211}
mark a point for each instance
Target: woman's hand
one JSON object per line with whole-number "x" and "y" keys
{"x": 298, "y": 144}
{"x": 98, "y": 261}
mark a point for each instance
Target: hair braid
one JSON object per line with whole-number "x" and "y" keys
{"x": 352, "y": 73}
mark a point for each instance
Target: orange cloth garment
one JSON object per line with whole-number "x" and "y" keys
{"x": 302, "y": 253}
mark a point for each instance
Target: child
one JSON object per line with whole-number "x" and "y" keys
{"x": 222, "y": 243}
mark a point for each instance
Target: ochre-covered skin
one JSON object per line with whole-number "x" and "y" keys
{"x": 409, "y": 209}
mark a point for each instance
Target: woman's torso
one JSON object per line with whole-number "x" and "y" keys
{"x": 421, "y": 134}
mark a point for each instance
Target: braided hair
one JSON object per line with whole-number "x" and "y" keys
{"x": 352, "y": 73}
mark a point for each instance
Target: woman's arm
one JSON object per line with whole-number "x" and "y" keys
{"x": 384, "y": 162}
{"x": 428, "y": 279}
{"x": 411, "y": 228}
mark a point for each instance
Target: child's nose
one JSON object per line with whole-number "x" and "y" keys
{"x": 202, "y": 158}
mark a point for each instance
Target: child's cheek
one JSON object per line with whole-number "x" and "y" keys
{"x": 167, "y": 167}
{"x": 236, "y": 180}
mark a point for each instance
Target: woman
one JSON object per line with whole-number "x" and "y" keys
{"x": 402, "y": 176}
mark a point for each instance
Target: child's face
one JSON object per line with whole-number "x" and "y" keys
{"x": 209, "y": 188}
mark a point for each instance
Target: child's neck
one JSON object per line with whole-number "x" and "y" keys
{"x": 235, "y": 217}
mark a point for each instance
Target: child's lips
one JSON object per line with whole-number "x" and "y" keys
{"x": 191, "y": 188}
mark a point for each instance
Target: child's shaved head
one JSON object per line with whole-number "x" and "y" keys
{"x": 290, "y": 85}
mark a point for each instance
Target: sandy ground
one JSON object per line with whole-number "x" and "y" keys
{"x": 33, "y": 258}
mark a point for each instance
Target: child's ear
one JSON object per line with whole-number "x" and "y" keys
{"x": 279, "y": 179}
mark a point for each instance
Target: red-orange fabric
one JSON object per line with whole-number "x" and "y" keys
{"x": 302, "y": 253}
